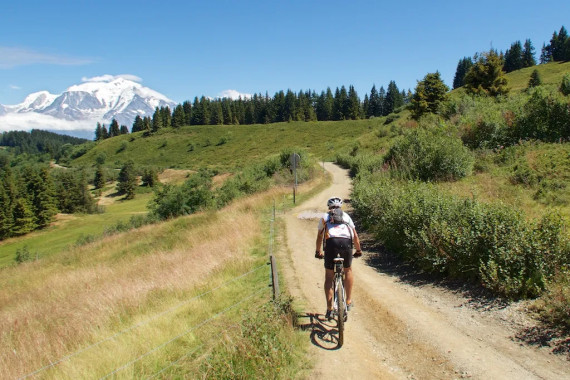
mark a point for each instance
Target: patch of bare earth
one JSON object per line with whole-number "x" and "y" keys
{"x": 402, "y": 326}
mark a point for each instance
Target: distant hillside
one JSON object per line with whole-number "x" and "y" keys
{"x": 550, "y": 74}
{"x": 227, "y": 147}
{"x": 38, "y": 141}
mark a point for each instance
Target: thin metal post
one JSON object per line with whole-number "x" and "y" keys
{"x": 274, "y": 277}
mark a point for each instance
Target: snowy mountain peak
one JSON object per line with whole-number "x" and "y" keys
{"x": 98, "y": 99}
{"x": 35, "y": 101}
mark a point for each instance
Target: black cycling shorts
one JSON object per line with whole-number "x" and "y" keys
{"x": 334, "y": 246}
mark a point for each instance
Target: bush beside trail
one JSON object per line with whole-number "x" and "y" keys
{"x": 463, "y": 238}
{"x": 198, "y": 193}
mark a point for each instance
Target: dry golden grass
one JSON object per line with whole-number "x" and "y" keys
{"x": 174, "y": 176}
{"x": 55, "y": 306}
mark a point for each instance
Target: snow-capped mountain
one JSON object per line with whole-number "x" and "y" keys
{"x": 99, "y": 99}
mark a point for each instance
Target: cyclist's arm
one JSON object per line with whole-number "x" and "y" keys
{"x": 320, "y": 241}
{"x": 356, "y": 240}
{"x": 320, "y": 236}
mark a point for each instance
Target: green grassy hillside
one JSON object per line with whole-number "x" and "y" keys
{"x": 550, "y": 74}
{"x": 227, "y": 147}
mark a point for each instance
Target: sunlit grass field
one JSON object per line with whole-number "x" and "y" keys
{"x": 550, "y": 74}
{"x": 68, "y": 230}
{"x": 168, "y": 292}
{"x": 228, "y": 147}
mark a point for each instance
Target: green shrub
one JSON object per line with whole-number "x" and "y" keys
{"x": 462, "y": 238}
{"x": 565, "y": 85}
{"x": 23, "y": 255}
{"x": 195, "y": 194}
{"x": 545, "y": 117}
{"x": 430, "y": 155}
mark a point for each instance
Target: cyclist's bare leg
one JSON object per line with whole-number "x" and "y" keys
{"x": 329, "y": 277}
{"x": 348, "y": 281}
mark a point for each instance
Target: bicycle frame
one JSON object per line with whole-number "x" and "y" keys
{"x": 339, "y": 300}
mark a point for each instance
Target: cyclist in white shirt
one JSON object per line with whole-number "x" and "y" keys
{"x": 338, "y": 236}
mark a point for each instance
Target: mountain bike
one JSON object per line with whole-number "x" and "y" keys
{"x": 339, "y": 300}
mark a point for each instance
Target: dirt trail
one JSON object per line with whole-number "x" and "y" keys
{"x": 399, "y": 330}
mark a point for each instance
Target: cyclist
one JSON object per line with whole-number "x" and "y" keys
{"x": 338, "y": 238}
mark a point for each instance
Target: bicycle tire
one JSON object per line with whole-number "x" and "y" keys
{"x": 341, "y": 310}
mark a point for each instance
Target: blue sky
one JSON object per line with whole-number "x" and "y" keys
{"x": 192, "y": 48}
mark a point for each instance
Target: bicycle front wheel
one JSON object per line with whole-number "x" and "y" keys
{"x": 341, "y": 302}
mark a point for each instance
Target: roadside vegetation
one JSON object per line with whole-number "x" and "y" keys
{"x": 495, "y": 214}
{"x": 179, "y": 280}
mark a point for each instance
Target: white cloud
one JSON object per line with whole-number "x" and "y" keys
{"x": 233, "y": 94}
{"x": 14, "y": 87}
{"x": 14, "y": 56}
{"x": 109, "y": 78}
{"x": 32, "y": 120}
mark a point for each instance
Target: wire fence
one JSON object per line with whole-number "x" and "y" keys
{"x": 273, "y": 283}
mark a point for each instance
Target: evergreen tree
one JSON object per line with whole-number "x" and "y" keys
{"x": 7, "y": 199}
{"x": 249, "y": 117}
{"x": 217, "y": 116}
{"x": 124, "y": 130}
{"x": 557, "y": 44}
{"x": 99, "y": 180}
{"x": 150, "y": 177}
{"x": 393, "y": 99}
{"x": 430, "y": 95}
{"x": 486, "y": 77}
{"x": 6, "y": 214}
{"x": 513, "y": 58}
{"x": 534, "y": 80}
{"x": 138, "y": 124}
{"x": 545, "y": 55}
{"x": 44, "y": 201}
{"x": 114, "y": 129}
{"x": 321, "y": 108}
{"x": 127, "y": 180}
{"x": 104, "y": 133}
{"x": 187, "y": 107}
{"x": 289, "y": 106}
{"x": 565, "y": 85}
{"x": 156, "y": 120}
{"x": 462, "y": 68}
{"x": 72, "y": 192}
{"x": 227, "y": 114}
{"x": 366, "y": 106}
{"x": 99, "y": 132}
{"x": 166, "y": 116}
{"x": 147, "y": 124}
{"x": 353, "y": 111}
{"x": 381, "y": 101}
{"x": 528, "y": 54}
{"x": 374, "y": 108}
{"x": 178, "y": 116}
{"x": 24, "y": 220}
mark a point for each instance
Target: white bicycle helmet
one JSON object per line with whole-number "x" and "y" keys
{"x": 334, "y": 202}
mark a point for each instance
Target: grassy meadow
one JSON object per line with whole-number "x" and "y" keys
{"x": 227, "y": 147}
{"x": 173, "y": 299}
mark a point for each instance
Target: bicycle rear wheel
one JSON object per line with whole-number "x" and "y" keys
{"x": 341, "y": 310}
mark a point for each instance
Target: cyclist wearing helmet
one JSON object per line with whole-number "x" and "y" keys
{"x": 338, "y": 238}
